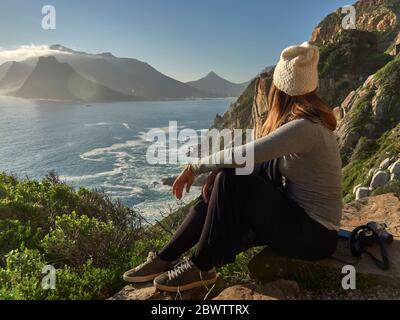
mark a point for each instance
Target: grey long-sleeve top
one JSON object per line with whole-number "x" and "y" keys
{"x": 309, "y": 159}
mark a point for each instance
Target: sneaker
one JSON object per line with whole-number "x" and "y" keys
{"x": 147, "y": 271}
{"x": 185, "y": 276}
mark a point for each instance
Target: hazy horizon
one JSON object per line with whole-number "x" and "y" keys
{"x": 24, "y": 52}
{"x": 182, "y": 39}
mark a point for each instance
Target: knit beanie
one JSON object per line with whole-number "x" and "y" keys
{"x": 297, "y": 71}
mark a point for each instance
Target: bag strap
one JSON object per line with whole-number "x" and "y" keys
{"x": 357, "y": 249}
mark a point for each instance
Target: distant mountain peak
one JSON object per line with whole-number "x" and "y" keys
{"x": 106, "y": 55}
{"x": 213, "y": 74}
{"x": 61, "y": 48}
{"x": 54, "y": 80}
{"x": 218, "y": 86}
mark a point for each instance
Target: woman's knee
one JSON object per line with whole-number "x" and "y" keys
{"x": 199, "y": 208}
{"x": 224, "y": 174}
{"x": 230, "y": 176}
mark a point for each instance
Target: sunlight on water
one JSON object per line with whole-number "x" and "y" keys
{"x": 99, "y": 146}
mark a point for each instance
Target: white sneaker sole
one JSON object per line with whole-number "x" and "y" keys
{"x": 189, "y": 286}
{"x": 141, "y": 279}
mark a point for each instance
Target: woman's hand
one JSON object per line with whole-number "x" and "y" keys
{"x": 184, "y": 180}
{"x": 208, "y": 185}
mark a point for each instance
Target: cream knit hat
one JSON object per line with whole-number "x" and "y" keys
{"x": 297, "y": 71}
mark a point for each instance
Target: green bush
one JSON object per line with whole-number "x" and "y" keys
{"x": 14, "y": 234}
{"x": 21, "y": 279}
{"x": 85, "y": 235}
{"x": 40, "y": 202}
{"x": 75, "y": 239}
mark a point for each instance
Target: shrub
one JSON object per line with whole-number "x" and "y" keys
{"x": 40, "y": 202}
{"x": 21, "y": 279}
{"x": 75, "y": 239}
{"x": 90, "y": 283}
{"x": 14, "y": 234}
{"x": 88, "y": 237}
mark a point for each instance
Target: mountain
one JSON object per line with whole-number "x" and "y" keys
{"x": 218, "y": 86}
{"x": 53, "y": 80}
{"x": 3, "y": 69}
{"x": 125, "y": 75}
{"x": 14, "y": 77}
{"x": 369, "y": 131}
{"x": 360, "y": 76}
{"x": 371, "y": 110}
{"x": 349, "y": 57}
{"x": 379, "y": 16}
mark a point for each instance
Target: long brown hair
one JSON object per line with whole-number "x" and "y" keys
{"x": 283, "y": 108}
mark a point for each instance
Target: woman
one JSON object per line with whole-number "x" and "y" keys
{"x": 237, "y": 212}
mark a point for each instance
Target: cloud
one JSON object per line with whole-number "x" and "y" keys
{"x": 24, "y": 52}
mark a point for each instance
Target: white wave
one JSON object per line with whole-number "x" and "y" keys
{"x": 137, "y": 190}
{"x": 131, "y": 189}
{"x": 99, "y": 153}
{"x": 126, "y": 126}
{"x": 98, "y": 124}
{"x": 111, "y": 173}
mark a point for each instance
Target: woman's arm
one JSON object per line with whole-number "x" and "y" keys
{"x": 297, "y": 136}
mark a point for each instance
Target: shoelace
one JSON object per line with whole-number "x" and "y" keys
{"x": 179, "y": 269}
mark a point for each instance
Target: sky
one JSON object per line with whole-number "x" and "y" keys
{"x": 184, "y": 39}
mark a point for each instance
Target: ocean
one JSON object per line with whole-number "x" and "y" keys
{"x": 100, "y": 146}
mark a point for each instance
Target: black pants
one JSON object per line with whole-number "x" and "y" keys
{"x": 244, "y": 212}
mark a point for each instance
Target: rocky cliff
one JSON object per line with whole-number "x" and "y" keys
{"x": 378, "y": 16}
{"x": 371, "y": 110}
{"x": 348, "y": 57}
{"x": 239, "y": 115}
